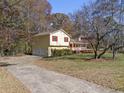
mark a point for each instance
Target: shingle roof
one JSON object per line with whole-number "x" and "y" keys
{"x": 43, "y": 33}
{"x": 47, "y": 33}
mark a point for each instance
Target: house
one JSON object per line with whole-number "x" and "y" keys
{"x": 79, "y": 43}
{"x": 44, "y": 42}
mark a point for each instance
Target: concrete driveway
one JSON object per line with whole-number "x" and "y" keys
{"x": 39, "y": 80}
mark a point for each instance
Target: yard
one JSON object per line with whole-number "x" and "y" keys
{"x": 9, "y": 84}
{"x": 105, "y": 72}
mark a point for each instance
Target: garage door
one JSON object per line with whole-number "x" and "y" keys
{"x": 40, "y": 52}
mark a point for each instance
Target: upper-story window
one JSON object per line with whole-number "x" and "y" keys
{"x": 65, "y": 39}
{"x": 54, "y": 38}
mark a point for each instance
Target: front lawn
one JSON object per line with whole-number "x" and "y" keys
{"x": 105, "y": 72}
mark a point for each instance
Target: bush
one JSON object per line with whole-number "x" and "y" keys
{"x": 121, "y": 51}
{"x": 62, "y": 52}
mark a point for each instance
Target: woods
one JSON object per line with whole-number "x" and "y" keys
{"x": 102, "y": 22}
{"x": 19, "y": 19}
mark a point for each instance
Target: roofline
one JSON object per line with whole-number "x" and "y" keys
{"x": 41, "y": 35}
{"x": 52, "y": 33}
{"x": 62, "y": 31}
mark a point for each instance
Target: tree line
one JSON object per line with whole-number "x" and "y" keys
{"x": 21, "y": 19}
{"x": 102, "y": 22}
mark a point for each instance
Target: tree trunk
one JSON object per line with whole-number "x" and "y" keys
{"x": 95, "y": 55}
{"x": 113, "y": 53}
{"x": 2, "y": 52}
{"x": 104, "y": 51}
{"x": 100, "y": 55}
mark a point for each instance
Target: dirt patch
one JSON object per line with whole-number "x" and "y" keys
{"x": 9, "y": 84}
{"x": 98, "y": 60}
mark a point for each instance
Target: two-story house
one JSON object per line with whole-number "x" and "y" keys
{"x": 44, "y": 42}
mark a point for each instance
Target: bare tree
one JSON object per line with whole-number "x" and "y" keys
{"x": 99, "y": 21}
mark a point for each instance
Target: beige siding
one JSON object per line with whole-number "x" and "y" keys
{"x": 41, "y": 42}
{"x": 40, "y": 45}
{"x": 60, "y": 34}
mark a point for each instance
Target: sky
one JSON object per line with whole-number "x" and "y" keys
{"x": 67, "y": 6}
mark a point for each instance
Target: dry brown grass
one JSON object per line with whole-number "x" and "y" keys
{"x": 108, "y": 73}
{"x": 9, "y": 84}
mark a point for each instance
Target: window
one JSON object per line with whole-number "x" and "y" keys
{"x": 54, "y": 38}
{"x": 65, "y": 39}
{"x": 82, "y": 38}
{"x": 71, "y": 45}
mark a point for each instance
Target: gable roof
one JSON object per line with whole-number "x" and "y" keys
{"x": 48, "y": 33}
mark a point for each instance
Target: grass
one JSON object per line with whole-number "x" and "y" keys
{"x": 8, "y": 84}
{"x": 105, "y": 72}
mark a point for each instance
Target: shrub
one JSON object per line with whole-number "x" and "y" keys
{"x": 62, "y": 52}
{"x": 121, "y": 51}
